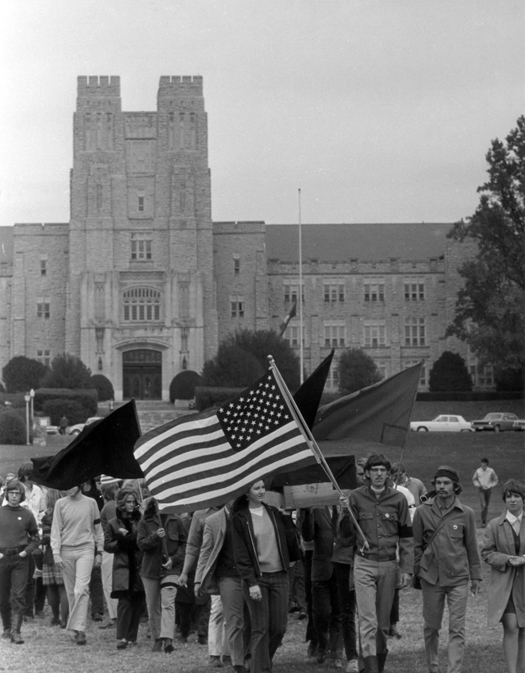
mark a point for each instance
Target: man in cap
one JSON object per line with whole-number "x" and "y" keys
{"x": 18, "y": 538}
{"x": 446, "y": 557}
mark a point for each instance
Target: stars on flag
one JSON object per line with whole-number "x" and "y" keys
{"x": 256, "y": 413}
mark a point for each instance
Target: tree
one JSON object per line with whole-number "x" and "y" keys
{"x": 242, "y": 358}
{"x": 103, "y": 386}
{"x": 449, "y": 373}
{"x": 357, "y": 370}
{"x": 21, "y": 374}
{"x": 182, "y": 386}
{"x": 489, "y": 308}
{"x": 12, "y": 428}
{"x": 67, "y": 371}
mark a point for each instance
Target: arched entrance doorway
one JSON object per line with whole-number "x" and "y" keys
{"x": 142, "y": 374}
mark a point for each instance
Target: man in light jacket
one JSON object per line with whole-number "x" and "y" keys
{"x": 446, "y": 557}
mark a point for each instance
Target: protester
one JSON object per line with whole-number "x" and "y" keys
{"x": 217, "y": 574}
{"x": 77, "y": 541}
{"x": 120, "y": 540}
{"x": 110, "y": 489}
{"x": 51, "y": 573}
{"x": 162, "y": 538}
{"x": 504, "y": 550}
{"x": 382, "y": 513}
{"x": 90, "y": 489}
{"x": 18, "y": 538}
{"x": 35, "y": 501}
{"x": 210, "y": 617}
{"x": 446, "y": 556}
{"x": 264, "y": 543}
{"x": 415, "y": 486}
{"x": 62, "y": 425}
{"x": 484, "y": 480}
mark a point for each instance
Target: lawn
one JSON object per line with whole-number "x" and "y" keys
{"x": 48, "y": 648}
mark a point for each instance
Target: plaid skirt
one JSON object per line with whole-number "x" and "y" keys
{"x": 51, "y": 574}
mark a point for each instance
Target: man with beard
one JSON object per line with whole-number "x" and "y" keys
{"x": 446, "y": 556}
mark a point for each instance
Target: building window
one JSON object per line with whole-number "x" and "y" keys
{"x": 334, "y": 290}
{"x": 414, "y": 289}
{"x": 237, "y": 307}
{"x": 236, "y": 265}
{"x": 291, "y": 291}
{"x": 141, "y": 204}
{"x": 415, "y": 332}
{"x": 44, "y": 356}
{"x": 141, "y": 304}
{"x": 374, "y": 333}
{"x": 482, "y": 376}
{"x": 141, "y": 246}
{"x": 43, "y": 265}
{"x": 423, "y": 382}
{"x": 382, "y": 369}
{"x": 335, "y": 334}
{"x": 293, "y": 334}
{"x": 43, "y": 309}
{"x": 332, "y": 381}
{"x": 374, "y": 289}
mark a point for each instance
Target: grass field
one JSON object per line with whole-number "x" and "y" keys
{"x": 48, "y": 649}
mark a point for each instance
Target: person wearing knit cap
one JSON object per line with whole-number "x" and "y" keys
{"x": 446, "y": 558}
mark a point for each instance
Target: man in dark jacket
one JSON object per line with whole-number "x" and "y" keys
{"x": 18, "y": 538}
{"x": 446, "y": 555}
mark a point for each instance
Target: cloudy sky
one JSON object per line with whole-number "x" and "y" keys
{"x": 379, "y": 110}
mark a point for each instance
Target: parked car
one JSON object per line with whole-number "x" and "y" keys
{"x": 498, "y": 422}
{"x": 519, "y": 425}
{"x": 442, "y": 423}
{"x": 51, "y": 429}
{"x": 78, "y": 427}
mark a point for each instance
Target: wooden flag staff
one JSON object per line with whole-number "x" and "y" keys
{"x": 313, "y": 445}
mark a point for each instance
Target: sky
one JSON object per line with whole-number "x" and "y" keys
{"x": 377, "y": 110}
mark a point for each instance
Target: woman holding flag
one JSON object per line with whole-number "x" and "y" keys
{"x": 265, "y": 542}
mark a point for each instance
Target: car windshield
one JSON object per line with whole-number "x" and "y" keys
{"x": 492, "y": 417}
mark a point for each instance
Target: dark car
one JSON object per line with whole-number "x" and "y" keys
{"x": 498, "y": 422}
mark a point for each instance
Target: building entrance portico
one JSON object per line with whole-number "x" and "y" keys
{"x": 142, "y": 374}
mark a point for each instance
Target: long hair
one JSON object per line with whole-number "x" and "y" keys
{"x": 513, "y": 486}
{"x": 124, "y": 492}
{"x": 52, "y": 495}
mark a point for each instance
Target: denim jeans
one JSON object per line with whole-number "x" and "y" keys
{"x": 13, "y": 581}
{"x": 78, "y": 564}
{"x": 269, "y": 618}
{"x": 327, "y": 616}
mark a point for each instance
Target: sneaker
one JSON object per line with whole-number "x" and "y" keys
{"x": 226, "y": 660}
{"x": 202, "y": 640}
{"x": 7, "y": 634}
{"x": 312, "y": 651}
{"x": 302, "y": 615}
{"x": 336, "y": 663}
{"x": 320, "y": 656}
{"x": 157, "y": 645}
{"x": 16, "y": 638}
{"x": 168, "y": 646}
{"x": 215, "y": 661}
{"x": 97, "y": 617}
{"x": 81, "y": 638}
{"x": 122, "y": 644}
{"x": 352, "y": 666}
{"x": 394, "y": 633}
{"x": 109, "y": 625}
{"x": 55, "y": 621}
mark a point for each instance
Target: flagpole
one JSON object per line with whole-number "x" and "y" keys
{"x": 406, "y": 433}
{"x": 301, "y": 355}
{"x": 312, "y": 443}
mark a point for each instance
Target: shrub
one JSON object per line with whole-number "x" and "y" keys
{"x": 12, "y": 428}
{"x": 448, "y": 373}
{"x": 73, "y": 410}
{"x": 182, "y": 386}
{"x": 206, "y": 397}
{"x": 21, "y": 374}
{"x": 88, "y": 398}
{"x": 357, "y": 370}
{"x": 103, "y": 386}
{"x": 67, "y": 371}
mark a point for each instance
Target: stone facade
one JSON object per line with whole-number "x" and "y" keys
{"x": 141, "y": 285}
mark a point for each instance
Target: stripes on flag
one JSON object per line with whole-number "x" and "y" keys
{"x": 192, "y": 463}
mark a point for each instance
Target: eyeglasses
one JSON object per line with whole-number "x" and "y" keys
{"x": 378, "y": 469}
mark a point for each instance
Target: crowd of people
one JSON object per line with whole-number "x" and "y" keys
{"x": 234, "y": 573}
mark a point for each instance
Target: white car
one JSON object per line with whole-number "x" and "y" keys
{"x": 443, "y": 423}
{"x": 78, "y": 427}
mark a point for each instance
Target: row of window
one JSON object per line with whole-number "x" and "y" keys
{"x": 334, "y": 290}
{"x": 374, "y": 333}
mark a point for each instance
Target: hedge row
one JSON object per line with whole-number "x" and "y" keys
{"x": 206, "y": 397}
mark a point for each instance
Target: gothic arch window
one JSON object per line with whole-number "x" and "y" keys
{"x": 141, "y": 304}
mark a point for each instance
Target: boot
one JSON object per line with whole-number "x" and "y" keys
{"x": 381, "y": 658}
{"x": 168, "y": 645}
{"x": 157, "y": 645}
{"x": 371, "y": 664}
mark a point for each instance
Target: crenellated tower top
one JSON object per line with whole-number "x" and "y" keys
{"x": 93, "y": 88}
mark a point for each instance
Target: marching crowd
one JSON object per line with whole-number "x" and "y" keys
{"x": 234, "y": 573}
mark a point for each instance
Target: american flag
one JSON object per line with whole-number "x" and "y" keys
{"x": 200, "y": 461}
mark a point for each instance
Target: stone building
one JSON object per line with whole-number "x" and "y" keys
{"x": 142, "y": 285}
